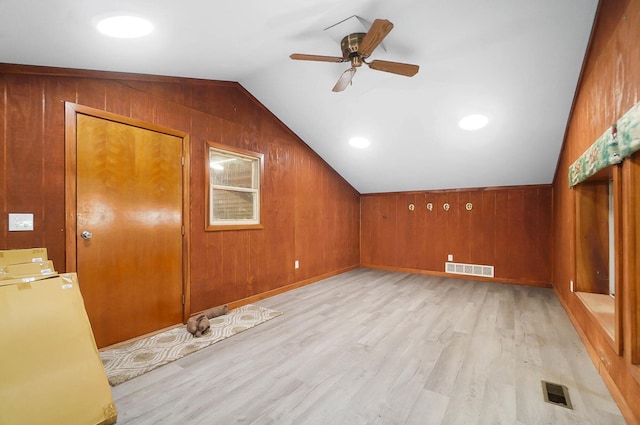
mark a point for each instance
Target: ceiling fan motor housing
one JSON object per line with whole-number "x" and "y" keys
{"x": 350, "y": 46}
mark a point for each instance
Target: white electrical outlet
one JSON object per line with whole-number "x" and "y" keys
{"x": 571, "y": 285}
{"x": 297, "y": 264}
{"x": 450, "y": 257}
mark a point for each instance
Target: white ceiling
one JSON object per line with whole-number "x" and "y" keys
{"x": 516, "y": 61}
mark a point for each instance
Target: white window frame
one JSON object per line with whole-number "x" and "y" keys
{"x": 256, "y": 160}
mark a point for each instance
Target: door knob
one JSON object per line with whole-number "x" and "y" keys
{"x": 86, "y": 235}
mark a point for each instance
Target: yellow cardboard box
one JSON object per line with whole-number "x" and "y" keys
{"x": 29, "y": 255}
{"x": 12, "y": 271}
{"x": 49, "y": 365}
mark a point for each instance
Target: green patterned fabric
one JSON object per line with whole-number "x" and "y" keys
{"x": 629, "y": 132}
{"x": 617, "y": 143}
{"x": 601, "y": 154}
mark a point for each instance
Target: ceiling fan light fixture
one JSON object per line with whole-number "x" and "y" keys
{"x": 473, "y": 122}
{"x": 124, "y": 26}
{"x": 359, "y": 142}
{"x": 344, "y": 80}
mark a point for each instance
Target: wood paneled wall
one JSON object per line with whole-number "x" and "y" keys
{"x": 508, "y": 228}
{"x": 310, "y": 213}
{"x": 609, "y": 86}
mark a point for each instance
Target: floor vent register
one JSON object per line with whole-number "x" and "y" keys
{"x": 556, "y": 394}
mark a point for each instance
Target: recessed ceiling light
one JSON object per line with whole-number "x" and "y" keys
{"x": 125, "y": 26}
{"x": 473, "y": 122}
{"x": 359, "y": 142}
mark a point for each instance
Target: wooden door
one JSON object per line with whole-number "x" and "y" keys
{"x": 129, "y": 250}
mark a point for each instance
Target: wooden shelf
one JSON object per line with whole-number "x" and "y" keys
{"x": 603, "y": 307}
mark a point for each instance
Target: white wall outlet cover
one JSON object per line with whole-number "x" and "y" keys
{"x": 20, "y": 222}
{"x": 450, "y": 257}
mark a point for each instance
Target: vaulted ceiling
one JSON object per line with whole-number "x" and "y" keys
{"x": 515, "y": 61}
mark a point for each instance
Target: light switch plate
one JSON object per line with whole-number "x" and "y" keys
{"x": 20, "y": 222}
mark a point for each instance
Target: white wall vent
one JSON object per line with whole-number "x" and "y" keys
{"x": 469, "y": 269}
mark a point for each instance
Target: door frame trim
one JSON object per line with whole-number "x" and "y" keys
{"x": 70, "y": 193}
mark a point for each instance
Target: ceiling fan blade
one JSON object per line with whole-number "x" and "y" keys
{"x": 394, "y": 67}
{"x": 344, "y": 80}
{"x": 378, "y": 31}
{"x": 319, "y": 58}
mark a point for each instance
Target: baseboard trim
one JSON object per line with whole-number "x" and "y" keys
{"x": 460, "y": 276}
{"x": 626, "y": 411}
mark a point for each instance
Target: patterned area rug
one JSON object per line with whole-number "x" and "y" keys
{"x": 139, "y": 357}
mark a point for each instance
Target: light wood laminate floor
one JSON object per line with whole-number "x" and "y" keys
{"x": 378, "y": 347}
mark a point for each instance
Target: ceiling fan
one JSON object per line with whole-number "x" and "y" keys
{"x": 356, "y": 48}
